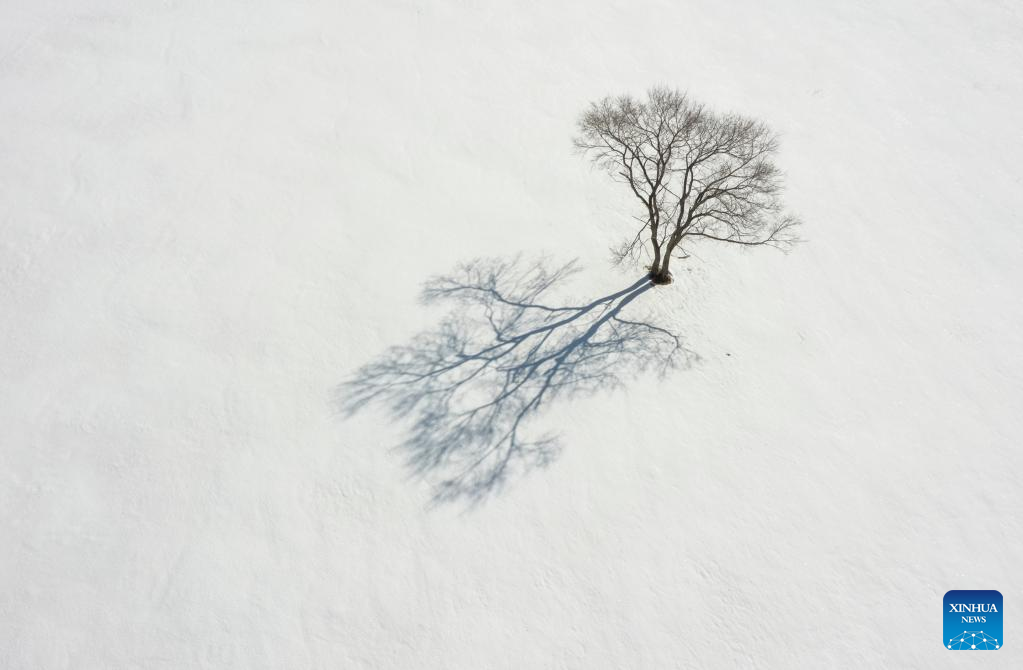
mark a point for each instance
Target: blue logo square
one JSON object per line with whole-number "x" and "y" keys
{"x": 973, "y": 620}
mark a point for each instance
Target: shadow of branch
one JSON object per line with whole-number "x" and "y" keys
{"x": 506, "y": 350}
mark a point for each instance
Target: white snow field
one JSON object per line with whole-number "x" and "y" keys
{"x": 216, "y": 216}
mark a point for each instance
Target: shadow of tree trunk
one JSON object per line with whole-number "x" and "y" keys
{"x": 506, "y": 350}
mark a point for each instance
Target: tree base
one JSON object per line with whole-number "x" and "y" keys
{"x": 660, "y": 278}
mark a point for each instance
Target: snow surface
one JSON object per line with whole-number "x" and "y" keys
{"x": 215, "y": 214}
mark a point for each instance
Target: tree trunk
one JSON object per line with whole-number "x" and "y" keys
{"x": 659, "y": 273}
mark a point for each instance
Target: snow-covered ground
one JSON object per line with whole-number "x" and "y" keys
{"x": 214, "y": 215}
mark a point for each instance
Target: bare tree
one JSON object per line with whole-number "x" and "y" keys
{"x": 699, "y": 175}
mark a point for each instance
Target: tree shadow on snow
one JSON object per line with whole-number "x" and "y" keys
{"x": 507, "y": 349}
